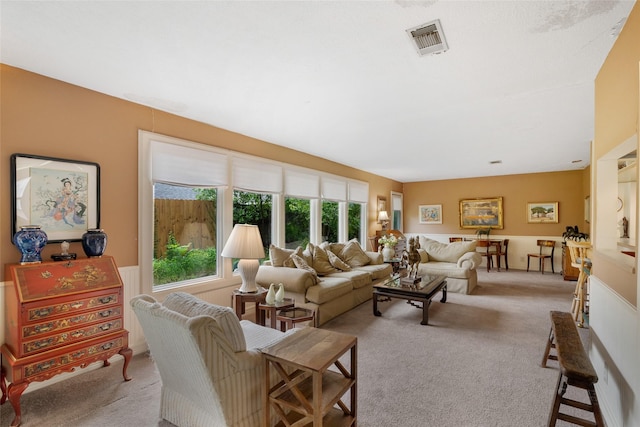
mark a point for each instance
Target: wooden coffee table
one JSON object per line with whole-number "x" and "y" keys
{"x": 423, "y": 292}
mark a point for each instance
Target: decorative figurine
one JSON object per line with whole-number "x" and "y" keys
{"x": 64, "y": 255}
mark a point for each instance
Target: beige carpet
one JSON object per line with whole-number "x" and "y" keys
{"x": 477, "y": 364}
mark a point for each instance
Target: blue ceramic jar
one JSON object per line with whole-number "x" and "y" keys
{"x": 30, "y": 241}
{"x": 94, "y": 242}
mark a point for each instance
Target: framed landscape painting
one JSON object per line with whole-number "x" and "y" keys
{"x": 481, "y": 213}
{"x": 430, "y": 214}
{"x": 542, "y": 213}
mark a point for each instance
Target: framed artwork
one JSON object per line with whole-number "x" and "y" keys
{"x": 61, "y": 196}
{"x": 542, "y": 213}
{"x": 430, "y": 214}
{"x": 481, "y": 213}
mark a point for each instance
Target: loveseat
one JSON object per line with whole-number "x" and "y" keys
{"x": 458, "y": 261}
{"x": 330, "y": 278}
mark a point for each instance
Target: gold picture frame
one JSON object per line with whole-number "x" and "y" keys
{"x": 542, "y": 213}
{"x": 481, "y": 213}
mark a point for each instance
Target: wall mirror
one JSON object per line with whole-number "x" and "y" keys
{"x": 396, "y": 211}
{"x": 627, "y": 197}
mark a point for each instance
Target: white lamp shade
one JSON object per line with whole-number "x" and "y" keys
{"x": 383, "y": 216}
{"x": 244, "y": 242}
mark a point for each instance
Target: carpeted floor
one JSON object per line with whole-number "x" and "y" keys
{"x": 477, "y": 364}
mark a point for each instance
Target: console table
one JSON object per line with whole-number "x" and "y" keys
{"x": 311, "y": 391}
{"x": 60, "y": 316}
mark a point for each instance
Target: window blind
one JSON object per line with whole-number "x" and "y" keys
{"x": 333, "y": 189}
{"x": 253, "y": 175}
{"x": 298, "y": 183}
{"x": 358, "y": 192}
{"x": 180, "y": 165}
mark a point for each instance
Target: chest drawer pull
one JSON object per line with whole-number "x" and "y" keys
{"x": 105, "y": 313}
{"x": 107, "y": 299}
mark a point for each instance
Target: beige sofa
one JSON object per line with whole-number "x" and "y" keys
{"x": 458, "y": 261}
{"x": 331, "y": 278}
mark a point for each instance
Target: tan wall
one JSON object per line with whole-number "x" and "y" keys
{"x": 47, "y": 117}
{"x": 617, "y": 96}
{"x": 566, "y": 188}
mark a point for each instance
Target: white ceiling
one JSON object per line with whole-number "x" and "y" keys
{"x": 341, "y": 79}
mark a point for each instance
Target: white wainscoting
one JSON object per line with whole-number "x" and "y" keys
{"x": 519, "y": 247}
{"x": 615, "y": 354}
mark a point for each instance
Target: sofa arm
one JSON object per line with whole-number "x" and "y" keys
{"x": 295, "y": 280}
{"x": 375, "y": 257}
{"x": 470, "y": 260}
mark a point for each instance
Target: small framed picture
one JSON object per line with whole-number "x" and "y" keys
{"x": 430, "y": 214}
{"x": 542, "y": 213}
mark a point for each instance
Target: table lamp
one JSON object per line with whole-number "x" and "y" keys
{"x": 383, "y": 217}
{"x": 245, "y": 243}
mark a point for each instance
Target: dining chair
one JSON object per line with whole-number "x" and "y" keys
{"x": 502, "y": 252}
{"x": 486, "y": 251}
{"x": 543, "y": 254}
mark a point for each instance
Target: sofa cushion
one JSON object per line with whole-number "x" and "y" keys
{"x": 337, "y": 262}
{"x": 353, "y": 254}
{"x": 359, "y": 279}
{"x": 302, "y": 264}
{"x": 377, "y": 271}
{"x": 226, "y": 319}
{"x": 320, "y": 259}
{"x": 279, "y": 256}
{"x": 446, "y": 252}
{"x": 329, "y": 288}
{"x": 438, "y": 268}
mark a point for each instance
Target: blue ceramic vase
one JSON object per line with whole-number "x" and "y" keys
{"x": 30, "y": 241}
{"x": 94, "y": 242}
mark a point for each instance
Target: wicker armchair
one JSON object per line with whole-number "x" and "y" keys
{"x": 209, "y": 362}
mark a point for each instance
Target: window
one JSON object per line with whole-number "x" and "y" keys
{"x": 330, "y": 217}
{"x": 256, "y": 209}
{"x": 297, "y": 216}
{"x": 183, "y": 233}
{"x": 187, "y": 207}
{"x": 355, "y": 221}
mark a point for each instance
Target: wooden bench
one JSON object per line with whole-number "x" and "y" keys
{"x": 575, "y": 370}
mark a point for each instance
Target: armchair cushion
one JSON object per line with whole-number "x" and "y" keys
{"x": 446, "y": 252}
{"x": 225, "y": 318}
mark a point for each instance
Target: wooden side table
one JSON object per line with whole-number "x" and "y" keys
{"x": 312, "y": 391}
{"x": 239, "y": 299}
{"x": 272, "y": 309}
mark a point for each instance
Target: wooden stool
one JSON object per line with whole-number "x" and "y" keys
{"x": 575, "y": 370}
{"x": 290, "y": 316}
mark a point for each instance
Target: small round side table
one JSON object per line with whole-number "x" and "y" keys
{"x": 290, "y": 316}
{"x": 271, "y": 310}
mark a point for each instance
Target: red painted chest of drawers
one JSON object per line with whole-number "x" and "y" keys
{"x": 60, "y": 316}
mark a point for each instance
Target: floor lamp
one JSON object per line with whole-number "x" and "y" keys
{"x": 245, "y": 243}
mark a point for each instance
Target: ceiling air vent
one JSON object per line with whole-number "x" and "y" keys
{"x": 429, "y": 38}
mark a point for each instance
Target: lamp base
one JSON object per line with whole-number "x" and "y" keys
{"x": 248, "y": 269}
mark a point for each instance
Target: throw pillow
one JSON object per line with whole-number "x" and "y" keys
{"x": 353, "y": 254}
{"x": 304, "y": 254}
{"x": 424, "y": 256}
{"x": 321, "y": 262}
{"x": 337, "y": 262}
{"x": 278, "y": 255}
{"x": 302, "y": 264}
{"x": 444, "y": 252}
